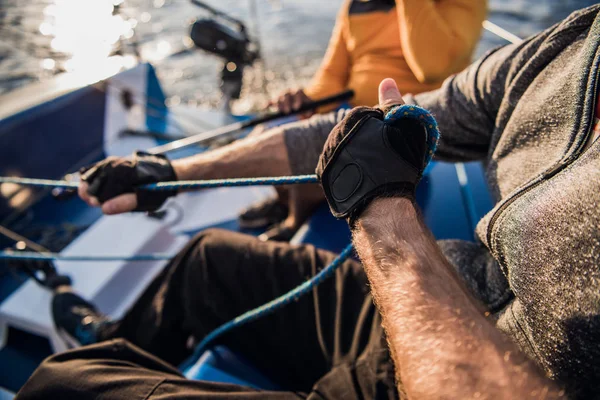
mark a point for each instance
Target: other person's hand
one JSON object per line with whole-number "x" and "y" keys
{"x": 112, "y": 183}
{"x": 366, "y": 157}
{"x": 292, "y": 101}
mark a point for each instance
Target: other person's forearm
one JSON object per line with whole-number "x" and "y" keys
{"x": 441, "y": 343}
{"x": 262, "y": 155}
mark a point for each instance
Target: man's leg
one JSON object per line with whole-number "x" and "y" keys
{"x": 117, "y": 370}
{"x": 222, "y": 274}
{"x": 328, "y": 344}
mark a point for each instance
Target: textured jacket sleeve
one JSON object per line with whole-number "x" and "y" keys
{"x": 332, "y": 76}
{"x": 438, "y": 37}
{"x": 304, "y": 140}
{"x": 466, "y": 106}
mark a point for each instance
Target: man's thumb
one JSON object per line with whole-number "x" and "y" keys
{"x": 389, "y": 94}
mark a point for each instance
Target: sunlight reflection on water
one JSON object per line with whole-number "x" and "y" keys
{"x": 40, "y": 38}
{"x": 88, "y": 32}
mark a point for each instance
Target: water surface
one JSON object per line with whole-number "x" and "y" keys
{"x": 40, "y": 38}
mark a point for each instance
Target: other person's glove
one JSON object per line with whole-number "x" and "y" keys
{"x": 373, "y": 153}
{"x": 115, "y": 176}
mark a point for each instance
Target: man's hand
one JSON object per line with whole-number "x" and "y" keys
{"x": 389, "y": 95}
{"x": 366, "y": 157}
{"x": 112, "y": 183}
{"x": 292, "y": 101}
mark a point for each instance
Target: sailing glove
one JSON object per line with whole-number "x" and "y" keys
{"x": 116, "y": 176}
{"x": 367, "y": 156}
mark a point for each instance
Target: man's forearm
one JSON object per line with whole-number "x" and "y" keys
{"x": 262, "y": 155}
{"x": 290, "y": 149}
{"x": 441, "y": 343}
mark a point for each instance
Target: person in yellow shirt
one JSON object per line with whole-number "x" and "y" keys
{"x": 418, "y": 43}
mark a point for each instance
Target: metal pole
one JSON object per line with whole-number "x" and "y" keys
{"x": 501, "y": 32}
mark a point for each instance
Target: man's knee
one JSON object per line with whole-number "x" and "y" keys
{"x": 114, "y": 366}
{"x": 62, "y": 375}
{"x": 213, "y": 248}
{"x": 209, "y": 240}
{"x": 51, "y": 379}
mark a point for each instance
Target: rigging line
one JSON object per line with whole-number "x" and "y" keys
{"x": 214, "y": 134}
{"x": 501, "y": 32}
{"x": 205, "y": 137}
{"x": 197, "y": 184}
{"x": 49, "y": 256}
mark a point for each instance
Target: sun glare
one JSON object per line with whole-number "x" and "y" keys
{"x": 87, "y": 31}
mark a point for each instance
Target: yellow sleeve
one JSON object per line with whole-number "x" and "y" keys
{"x": 333, "y": 74}
{"x": 439, "y": 37}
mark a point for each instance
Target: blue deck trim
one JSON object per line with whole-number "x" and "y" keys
{"x": 56, "y": 137}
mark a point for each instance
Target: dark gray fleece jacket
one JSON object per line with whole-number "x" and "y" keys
{"x": 527, "y": 111}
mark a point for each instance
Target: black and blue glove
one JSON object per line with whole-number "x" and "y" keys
{"x": 373, "y": 153}
{"x": 116, "y": 176}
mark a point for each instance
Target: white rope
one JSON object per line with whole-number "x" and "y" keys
{"x": 501, "y": 32}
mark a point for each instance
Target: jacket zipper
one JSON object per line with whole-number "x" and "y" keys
{"x": 548, "y": 174}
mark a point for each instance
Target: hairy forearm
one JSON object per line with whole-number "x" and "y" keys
{"x": 441, "y": 342}
{"x": 262, "y": 155}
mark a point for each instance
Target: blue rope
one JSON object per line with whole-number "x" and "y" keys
{"x": 269, "y": 307}
{"x": 27, "y": 255}
{"x": 280, "y": 180}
